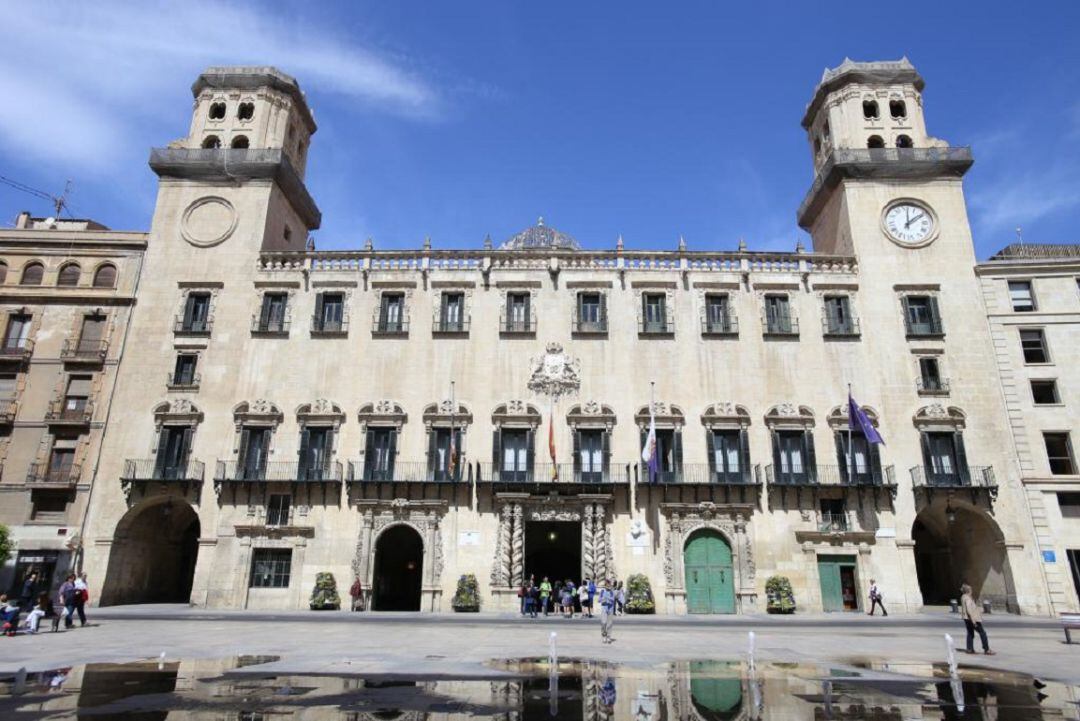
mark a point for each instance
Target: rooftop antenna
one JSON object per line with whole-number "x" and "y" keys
{"x": 60, "y": 203}
{"x": 1020, "y": 235}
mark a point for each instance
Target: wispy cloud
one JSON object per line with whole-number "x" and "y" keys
{"x": 80, "y": 79}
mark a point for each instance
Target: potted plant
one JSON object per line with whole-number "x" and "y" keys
{"x": 639, "y": 598}
{"x": 467, "y": 597}
{"x": 325, "y": 596}
{"x": 781, "y": 599}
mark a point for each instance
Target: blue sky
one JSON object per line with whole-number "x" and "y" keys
{"x": 458, "y": 120}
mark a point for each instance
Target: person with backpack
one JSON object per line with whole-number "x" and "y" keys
{"x": 545, "y": 594}
{"x": 876, "y": 598}
{"x": 68, "y": 597}
{"x": 607, "y": 612}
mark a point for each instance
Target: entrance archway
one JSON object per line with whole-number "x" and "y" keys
{"x": 957, "y": 544}
{"x": 399, "y": 569}
{"x": 709, "y": 573}
{"x": 153, "y": 554}
{"x": 553, "y": 550}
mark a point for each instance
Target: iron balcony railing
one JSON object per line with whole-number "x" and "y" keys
{"x": 697, "y": 473}
{"x": 403, "y": 472}
{"x": 47, "y": 475}
{"x": 269, "y": 326}
{"x": 8, "y": 409}
{"x": 932, "y": 385}
{"x": 837, "y": 476}
{"x": 842, "y": 328}
{"x": 178, "y": 381}
{"x": 801, "y": 476}
{"x": 726, "y": 324}
{"x": 553, "y": 473}
{"x": 62, "y": 411}
{"x": 964, "y": 477}
{"x": 321, "y": 326}
{"x": 787, "y": 325}
{"x": 584, "y": 326}
{"x": 657, "y": 326}
{"x": 383, "y": 324}
{"x": 517, "y": 326}
{"x": 833, "y": 522}
{"x": 16, "y": 349}
{"x": 931, "y": 328}
{"x": 191, "y": 326}
{"x": 449, "y": 326}
{"x": 286, "y": 471}
{"x": 84, "y": 351}
{"x": 151, "y": 469}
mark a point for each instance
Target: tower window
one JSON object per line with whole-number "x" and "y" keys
{"x": 105, "y": 276}
{"x": 217, "y": 111}
{"x": 69, "y": 275}
{"x": 898, "y": 108}
{"x": 32, "y": 274}
{"x": 211, "y": 141}
{"x": 246, "y": 111}
{"x": 903, "y": 141}
{"x": 870, "y": 110}
{"x": 240, "y": 142}
{"x": 875, "y": 141}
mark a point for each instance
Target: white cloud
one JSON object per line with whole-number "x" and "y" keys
{"x": 80, "y": 79}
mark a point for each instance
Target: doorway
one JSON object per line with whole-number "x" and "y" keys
{"x": 153, "y": 554}
{"x": 399, "y": 569}
{"x": 1074, "y": 566}
{"x": 553, "y": 550}
{"x": 839, "y": 583}
{"x": 710, "y": 574}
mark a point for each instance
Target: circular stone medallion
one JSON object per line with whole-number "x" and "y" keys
{"x": 208, "y": 221}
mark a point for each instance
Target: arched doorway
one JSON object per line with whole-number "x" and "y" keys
{"x": 957, "y": 544}
{"x": 399, "y": 568}
{"x": 153, "y": 554}
{"x": 710, "y": 573}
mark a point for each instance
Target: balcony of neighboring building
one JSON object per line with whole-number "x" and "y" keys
{"x": 54, "y": 474}
{"x": 69, "y": 410}
{"x": 84, "y": 351}
{"x": 16, "y": 350}
{"x": 143, "y": 471}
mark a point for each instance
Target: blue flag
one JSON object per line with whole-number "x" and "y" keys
{"x": 857, "y": 420}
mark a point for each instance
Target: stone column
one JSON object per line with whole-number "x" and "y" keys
{"x": 517, "y": 547}
{"x": 588, "y": 543}
{"x": 601, "y": 544}
{"x": 502, "y": 568}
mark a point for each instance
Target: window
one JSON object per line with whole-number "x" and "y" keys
{"x": 452, "y": 313}
{"x": 105, "y": 276}
{"x": 329, "y": 313}
{"x": 718, "y": 314}
{"x": 17, "y": 336}
{"x": 870, "y": 110}
{"x": 1044, "y": 392}
{"x": 859, "y": 461}
{"x": 69, "y": 275}
{"x": 184, "y": 371}
{"x": 591, "y": 313}
{"x": 875, "y": 141}
{"x": 277, "y": 510}
{"x": 590, "y": 455}
{"x": 518, "y": 314}
{"x": 838, "y": 318}
{"x": 516, "y": 457}
{"x": 174, "y": 446}
{"x": 1021, "y": 295}
{"x": 1059, "y": 453}
{"x": 380, "y": 454}
{"x": 778, "y": 315}
{"x": 944, "y": 458}
{"x": 668, "y": 453}
{"x": 211, "y": 142}
{"x": 217, "y": 111}
{"x": 196, "y": 318}
{"x": 793, "y": 456}
{"x": 245, "y": 111}
{"x": 930, "y": 380}
{"x": 1033, "y": 345}
{"x": 76, "y": 398}
{"x": 270, "y": 567}
{"x": 32, "y": 274}
{"x": 3, "y": 272}
{"x": 7, "y": 391}
{"x": 1069, "y": 504}
{"x": 315, "y": 448}
{"x": 49, "y": 504}
{"x": 240, "y": 142}
{"x": 897, "y": 109}
{"x": 921, "y": 315}
{"x": 728, "y": 455}
{"x": 444, "y": 458}
{"x": 833, "y": 514}
{"x": 254, "y": 450}
{"x": 91, "y": 336}
{"x": 61, "y": 463}
{"x": 654, "y": 313}
{"x": 903, "y": 141}
{"x": 392, "y": 313}
{"x": 272, "y": 316}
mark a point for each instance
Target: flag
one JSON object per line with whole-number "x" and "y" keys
{"x": 453, "y": 459}
{"x": 648, "y": 453}
{"x": 858, "y": 420}
{"x": 551, "y": 447}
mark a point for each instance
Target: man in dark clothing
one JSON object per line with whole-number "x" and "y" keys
{"x": 29, "y": 591}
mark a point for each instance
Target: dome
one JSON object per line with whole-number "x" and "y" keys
{"x": 540, "y": 236}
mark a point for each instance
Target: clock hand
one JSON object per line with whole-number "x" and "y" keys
{"x": 912, "y": 220}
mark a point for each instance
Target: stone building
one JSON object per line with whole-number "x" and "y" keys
{"x": 67, "y": 288}
{"x": 407, "y": 417}
{"x": 1032, "y": 296}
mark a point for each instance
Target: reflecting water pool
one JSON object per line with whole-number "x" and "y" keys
{"x": 248, "y": 688}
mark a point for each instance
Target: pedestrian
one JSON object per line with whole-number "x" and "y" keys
{"x": 40, "y": 611}
{"x": 592, "y": 595}
{"x": 583, "y": 598}
{"x": 522, "y": 593}
{"x": 29, "y": 591}
{"x": 9, "y": 615}
{"x": 607, "y": 611}
{"x": 875, "y": 599}
{"x": 356, "y": 593}
{"x": 620, "y": 599}
{"x": 972, "y": 615}
{"x": 67, "y": 597}
{"x": 545, "y": 594}
{"x": 556, "y": 597}
{"x": 567, "y": 600}
{"x": 533, "y": 600}
{"x": 82, "y": 595}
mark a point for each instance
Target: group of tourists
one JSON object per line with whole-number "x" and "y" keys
{"x": 37, "y": 604}
{"x": 565, "y": 598}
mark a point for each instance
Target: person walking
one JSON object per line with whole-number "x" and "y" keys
{"x": 82, "y": 595}
{"x": 356, "y": 593}
{"x": 532, "y": 599}
{"x": 620, "y": 599}
{"x": 973, "y": 620}
{"x": 583, "y": 598}
{"x": 29, "y": 591}
{"x": 545, "y": 594}
{"x": 875, "y": 599}
{"x": 66, "y": 597}
{"x": 567, "y": 600}
{"x": 607, "y": 612}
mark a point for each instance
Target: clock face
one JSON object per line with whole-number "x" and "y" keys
{"x": 909, "y": 222}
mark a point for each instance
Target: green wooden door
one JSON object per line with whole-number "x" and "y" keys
{"x": 710, "y": 577}
{"x": 832, "y": 590}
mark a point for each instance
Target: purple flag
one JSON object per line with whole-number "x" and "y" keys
{"x": 857, "y": 420}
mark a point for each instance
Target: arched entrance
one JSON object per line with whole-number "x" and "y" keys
{"x": 710, "y": 573}
{"x": 153, "y": 554}
{"x": 399, "y": 568}
{"x": 957, "y": 544}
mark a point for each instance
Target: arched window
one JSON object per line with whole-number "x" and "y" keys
{"x": 903, "y": 141}
{"x": 875, "y": 141}
{"x": 32, "y": 274}
{"x": 69, "y": 275}
{"x": 898, "y": 108}
{"x": 245, "y": 111}
{"x": 211, "y": 141}
{"x": 217, "y": 111}
{"x": 870, "y": 109}
{"x": 3, "y": 272}
{"x": 240, "y": 142}
{"x": 105, "y": 277}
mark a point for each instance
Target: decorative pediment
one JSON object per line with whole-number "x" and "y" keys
{"x": 591, "y": 413}
{"x": 177, "y": 411}
{"x": 384, "y": 412}
{"x": 260, "y": 411}
{"x": 789, "y": 414}
{"x": 666, "y": 415}
{"x": 725, "y": 413}
{"x": 438, "y": 414}
{"x": 936, "y": 414}
{"x": 516, "y": 412}
{"x": 555, "y": 374}
{"x": 321, "y": 411}
{"x": 838, "y": 416}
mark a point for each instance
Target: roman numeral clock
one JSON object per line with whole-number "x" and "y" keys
{"x": 909, "y": 223}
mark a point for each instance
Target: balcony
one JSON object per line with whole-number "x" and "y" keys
{"x": 842, "y": 476}
{"x": 65, "y": 412}
{"x": 932, "y": 386}
{"x": 831, "y": 522}
{"x": 176, "y": 382}
{"x": 404, "y": 472}
{"x": 149, "y": 470}
{"x": 840, "y": 328}
{"x": 591, "y": 327}
{"x": 726, "y": 325}
{"x": 16, "y": 350}
{"x": 548, "y": 473}
{"x": 195, "y": 328}
{"x": 656, "y": 327}
{"x": 322, "y": 328}
{"x": 45, "y": 475}
{"x": 785, "y": 327}
{"x": 276, "y": 471}
{"x": 975, "y": 479}
{"x": 390, "y": 325}
{"x": 84, "y": 351}
{"x": 448, "y": 326}
{"x": 697, "y": 474}
{"x": 269, "y": 327}
{"x": 517, "y": 326}
{"x": 8, "y": 409}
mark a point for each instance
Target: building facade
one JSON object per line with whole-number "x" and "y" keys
{"x": 67, "y": 288}
{"x": 407, "y": 417}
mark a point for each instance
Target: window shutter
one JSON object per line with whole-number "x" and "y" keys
{"x": 264, "y": 315}
{"x": 907, "y": 313}
{"x": 391, "y": 455}
{"x": 928, "y": 462}
{"x": 744, "y": 454}
{"x": 961, "y": 457}
{"x": 844, "y": 463}
{"x": 242, "y": 462}
{"x": 189, "y": 309}
{"x": 384, "y": 305}
{"x": 605, "y": 448}
{"x": 320, "y": 322}
{"x": 162, "y": 450}
{"x": 710, "y": 444}
{"x": 577, "y": 453}
{"x": 369, "y": 454}
{"x": 603, "y": 310}
{"x": 875, "y": 464}
{"x": 528, "y": 312}
{"x": 936, "y": 326}
{"x": 777, "y": 466}
{"x": 264, "y": 448}
{"x": 305, "y": 460}
{"x": 433, "y": 453}
{"x": 645, "y": 308}
{"x": 811, "y": 459}
{"x": 676, "y": 453}
{"x": 530, "y": 454}
{"x": 496, "y": 453}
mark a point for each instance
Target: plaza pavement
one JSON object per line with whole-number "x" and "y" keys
{"x": 460, "y": 644}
